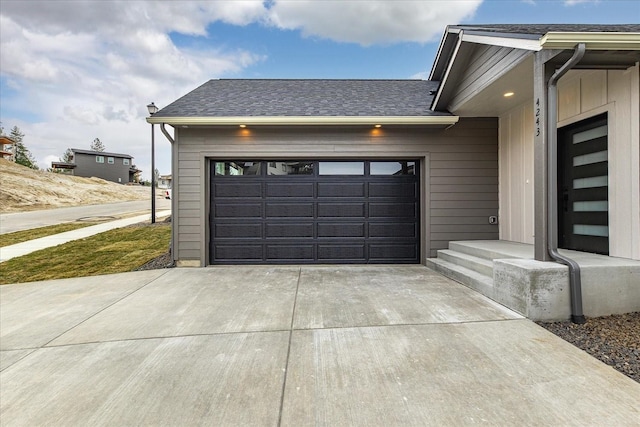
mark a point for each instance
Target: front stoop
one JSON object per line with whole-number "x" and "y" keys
{"x": 505, "y": 272}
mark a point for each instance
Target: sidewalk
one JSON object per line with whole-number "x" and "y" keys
{"x": 24, "y": 248}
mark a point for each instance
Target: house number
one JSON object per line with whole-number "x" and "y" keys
{"x": 537, "y": 116}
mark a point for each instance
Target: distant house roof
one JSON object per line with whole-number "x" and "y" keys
{"x": 100, "y": 153}
{"x": 262, "y": 100}
{"x": 63, "y": 165}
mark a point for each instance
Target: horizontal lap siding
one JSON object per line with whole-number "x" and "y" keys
{"x": 463, "y": 170}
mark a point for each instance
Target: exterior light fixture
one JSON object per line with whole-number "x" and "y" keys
{"x": 243, "y": 126}
{"x": 152, "y": 110}
{"x": 377, "y": 126}
{"x": 508, "y": 94}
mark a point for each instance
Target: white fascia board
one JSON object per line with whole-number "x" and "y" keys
{"x": 304, "y": 120}
{"x": 516, "y": 43}
{"x": 443, "y": 83}
{"x": 593, "y": 41}
{"x": 441, "y": 47}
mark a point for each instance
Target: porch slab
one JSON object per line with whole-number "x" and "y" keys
{"x": 540, "y": 290}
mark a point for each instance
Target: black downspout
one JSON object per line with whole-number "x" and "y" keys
{"x": 575, "y": 284}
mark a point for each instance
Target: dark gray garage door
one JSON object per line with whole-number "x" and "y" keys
{"x": 278, "y": 212}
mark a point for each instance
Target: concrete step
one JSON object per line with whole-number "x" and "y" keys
{"x": 466, "y": 276}
{"x": 481, "y": 265}
{"x": 489, "y": 250}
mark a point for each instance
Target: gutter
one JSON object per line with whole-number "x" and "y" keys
{"x": 304, "y": 120}
{"x": 575, "y": 284}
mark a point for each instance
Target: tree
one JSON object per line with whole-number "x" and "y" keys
{"x": 97, "y": 145}
{"x": 22, "y": 153}
{"x": 67, "y": 157}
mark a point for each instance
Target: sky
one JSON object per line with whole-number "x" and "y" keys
{"x": 73, "y": 71}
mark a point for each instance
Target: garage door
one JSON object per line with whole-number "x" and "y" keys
{"x": 278, "y": 212}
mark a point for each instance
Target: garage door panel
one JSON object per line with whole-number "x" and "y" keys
{"x": 392, "y": 252}
{"x": 393, "y": 229}
{"x": 337, "y": 252}
{"x": 238, "y": 252}
{"x": 237, "y": 190}
{"x": 392, "y": 210}
{"x": 341, "y": 210}
{"x": 289, "y": 210}
{"x": 341, "y": 189}
{"x": 290, "y": 252}
{"x": 289, "y": 230}
{"x": 394, "y": 189}
{"x": 290, "y": 189}
{"x": 238, "y": 210}
{"x": 239, "y": 231}
{"x": 341, "y": 229}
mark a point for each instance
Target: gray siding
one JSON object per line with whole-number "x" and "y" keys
{"x": 460, "y": 186}
{"x": 86, "y": 166}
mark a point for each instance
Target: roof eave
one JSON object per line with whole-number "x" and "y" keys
{"x": 593, "y": 41}
{"x": 305, "y": 120}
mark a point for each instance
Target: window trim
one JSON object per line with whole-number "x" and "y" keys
{"x": 99, "y": 159}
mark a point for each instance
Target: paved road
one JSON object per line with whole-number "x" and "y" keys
{"x": 18, "y": 221}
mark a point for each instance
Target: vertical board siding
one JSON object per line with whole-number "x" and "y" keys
{"x": 516, "y": 174}
{"x": 462, "y": 168}
{"x": 581, "y": 95}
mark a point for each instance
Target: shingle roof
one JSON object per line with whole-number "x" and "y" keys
{"x": 101, "y": 153}
{"x": 306, "y": 98}
{"x": 540, "y": 30}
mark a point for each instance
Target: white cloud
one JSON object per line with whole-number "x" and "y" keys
{"x": 87, "y": 69}
{"x": 574, "y": 2}
{"x": 372, "y": 21}
{"x": 81, "y": 69}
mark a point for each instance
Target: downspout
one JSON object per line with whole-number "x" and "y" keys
{"x": 575, "y": 285}
{"x": 166, "y": 134}
{"x": 173, "y": 218}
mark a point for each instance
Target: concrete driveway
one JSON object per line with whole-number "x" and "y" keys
{"x": 290, "y": 346}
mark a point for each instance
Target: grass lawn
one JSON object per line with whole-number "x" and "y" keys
{"x": 36, "y": 233}
{"x": 115, "y": 251}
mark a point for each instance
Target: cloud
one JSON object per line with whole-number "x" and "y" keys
{"x": 74, "y": 70}
{"x": 574, "y": 2}
{"x": 372, "y": 21}
{"x": 87, "y": 69}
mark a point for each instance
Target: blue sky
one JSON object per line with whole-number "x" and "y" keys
{"x": 72, "y": 71}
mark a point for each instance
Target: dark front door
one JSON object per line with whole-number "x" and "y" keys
{"x": 583, "y": 186}
{"x": 277, "y": 212}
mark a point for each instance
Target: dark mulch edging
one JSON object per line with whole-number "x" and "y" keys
{"x": 614, "y": 340}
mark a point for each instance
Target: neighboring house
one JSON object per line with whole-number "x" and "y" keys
{"x": 450, "y": 172}
{"x": 108, "y": 166}
{"x": 7, "y": 148}
{"x": 164, "y": 181}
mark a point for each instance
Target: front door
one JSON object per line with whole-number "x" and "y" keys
{"x": 583, "y": 186}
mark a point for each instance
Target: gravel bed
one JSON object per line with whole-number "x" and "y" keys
{"x": 614, "y": 340}
{"x": 163, "y": 261}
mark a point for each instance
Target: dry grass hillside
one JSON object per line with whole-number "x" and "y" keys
{"x": 23, "y": 189}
